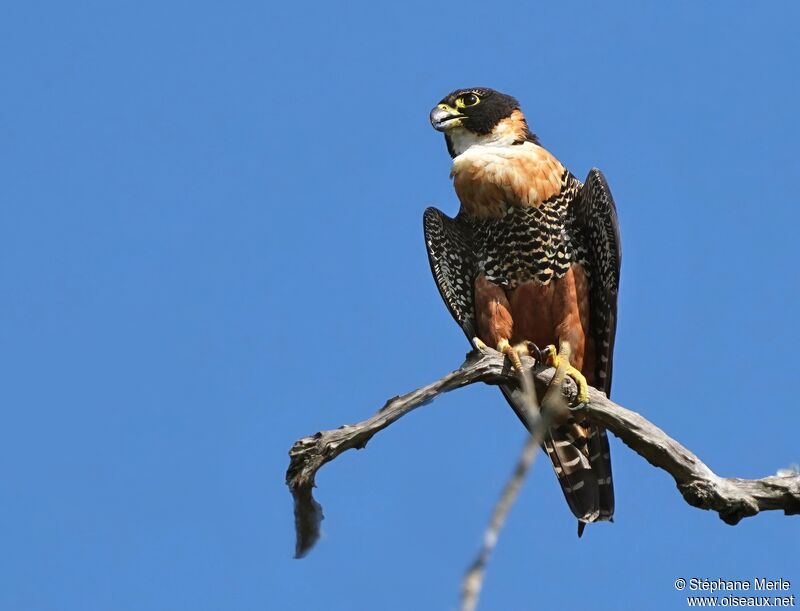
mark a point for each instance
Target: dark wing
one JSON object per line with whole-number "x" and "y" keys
{"x": 451, "y": 253}
{"x": 595, "y": 218}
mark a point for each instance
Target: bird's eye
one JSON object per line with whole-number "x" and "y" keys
{"x": 467, "y": 100}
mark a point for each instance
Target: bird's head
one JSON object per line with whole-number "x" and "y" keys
{"x": 479, "y": 116}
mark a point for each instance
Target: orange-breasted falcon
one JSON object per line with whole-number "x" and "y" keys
{"x": 532, "y": 256}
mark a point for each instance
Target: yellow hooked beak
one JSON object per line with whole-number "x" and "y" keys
{"x": 444, "y": 117}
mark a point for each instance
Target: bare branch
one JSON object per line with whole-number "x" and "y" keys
{"x": 309, "y": 454}
{"x": 732, "y": 498}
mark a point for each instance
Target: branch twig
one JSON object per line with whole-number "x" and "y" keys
{"x": 473, "y": 579}
{"x": 732, "y": 498}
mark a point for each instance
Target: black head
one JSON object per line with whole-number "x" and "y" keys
{"x": 476, "y": 112}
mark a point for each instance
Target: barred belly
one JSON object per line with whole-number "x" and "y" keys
{"x": 525, "y": 244}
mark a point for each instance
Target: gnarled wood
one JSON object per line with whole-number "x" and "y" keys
{"x": 732, "y": 498}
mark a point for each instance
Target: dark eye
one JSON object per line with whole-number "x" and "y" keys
{"x": 470, "y": 99}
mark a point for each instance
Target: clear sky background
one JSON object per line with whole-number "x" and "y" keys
{"x": 211, "y": 246}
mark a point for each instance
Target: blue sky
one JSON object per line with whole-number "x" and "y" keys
{"x": 211, "y": 246}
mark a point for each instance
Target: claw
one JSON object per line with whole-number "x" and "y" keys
{"x": 526, "y": 348}
{"x": 531, "y": 349}
{"x": 478, "y": 343}
{"x": 554, "y": 358}
{"x": 511, "y": 352}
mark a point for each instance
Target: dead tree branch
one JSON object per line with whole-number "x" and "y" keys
{"x": 732, "y": 498}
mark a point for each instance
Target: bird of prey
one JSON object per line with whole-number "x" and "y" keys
{"x": 532, "y": 259}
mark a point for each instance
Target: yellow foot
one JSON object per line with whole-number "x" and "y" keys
{"x": 511, "y": 352}
{"x": 555, "y": 359}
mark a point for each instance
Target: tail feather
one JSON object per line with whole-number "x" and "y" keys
{"x": 600, "y": 459}
{"x": 574, "y": 471}
{"x": 582, "y": 462}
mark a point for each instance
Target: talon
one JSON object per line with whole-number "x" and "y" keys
{"x": 511, "y": 352}
{"x": 478, "y": 343}
{"x": 534, "y": 351}
{"x": 554, "y": 358}
{"x": 580, "y": 381}
{"x": 528, "y": 348}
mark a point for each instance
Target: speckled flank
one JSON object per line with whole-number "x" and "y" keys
{"x": 528, "y": 242}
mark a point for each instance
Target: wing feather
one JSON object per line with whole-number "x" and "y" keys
{"x": 453, "y": 263}
{"x": 595, "y": 215}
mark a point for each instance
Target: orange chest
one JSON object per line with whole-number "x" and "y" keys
{"x": 489, "y": 179}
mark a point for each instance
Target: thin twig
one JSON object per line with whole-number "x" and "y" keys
{"x": 537, "y": 422}
{"x": 473, "y": 578}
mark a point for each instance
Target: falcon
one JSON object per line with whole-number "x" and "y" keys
{"x": 531, "y": 259}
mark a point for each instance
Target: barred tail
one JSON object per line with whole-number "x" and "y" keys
{"x": 582, "y": 462}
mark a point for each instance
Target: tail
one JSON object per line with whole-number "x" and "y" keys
{"x": 582, "y": 461}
